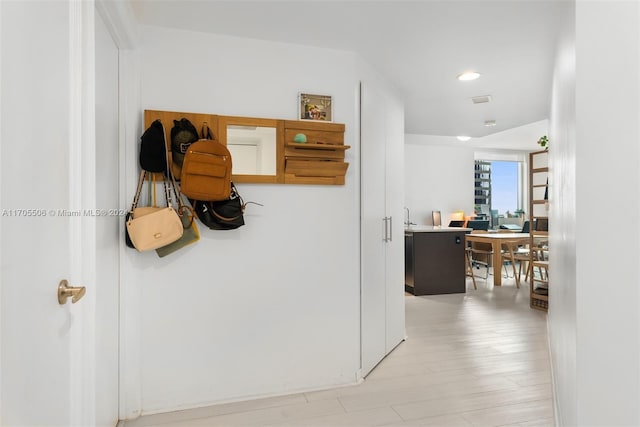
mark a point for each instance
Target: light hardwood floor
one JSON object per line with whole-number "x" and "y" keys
{"x": 474, "y": 359}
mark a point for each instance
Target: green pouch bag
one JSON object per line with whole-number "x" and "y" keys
{"x": 190, "y": 235}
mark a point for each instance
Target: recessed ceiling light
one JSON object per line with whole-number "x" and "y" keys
{"x": 489, "y": 123}
{"x": 468, "y": 75}
{"x": 463, "y": 138}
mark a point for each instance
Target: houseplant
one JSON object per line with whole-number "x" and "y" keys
{"x": 544, "y": 142}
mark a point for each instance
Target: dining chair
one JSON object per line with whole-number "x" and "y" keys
{"x": 526, "y": 256}
{"x": 509, "y": 249}
{"x": 480, "y": 253}
{"x": 520, "y": 255}
{"x": 505, "y": 262}
{"x": 540, "y": 260}
{"x": 523, "y": 256}
{"x": 469, "y": 266}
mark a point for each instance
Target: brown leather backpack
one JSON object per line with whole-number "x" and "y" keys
{"x": 206, "y": 171}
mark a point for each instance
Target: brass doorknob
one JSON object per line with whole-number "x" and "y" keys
{"x": 65, "y": 291}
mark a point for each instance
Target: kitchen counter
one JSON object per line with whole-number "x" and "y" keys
{"x": 432, "y": 229}
{"x": 434, "y": 260}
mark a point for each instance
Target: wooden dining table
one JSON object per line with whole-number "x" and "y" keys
{"x": 496, "y": 240}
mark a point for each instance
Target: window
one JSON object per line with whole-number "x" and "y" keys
{"x": 498, "y": 190}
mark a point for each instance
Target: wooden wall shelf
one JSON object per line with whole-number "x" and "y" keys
{"x": 316, "y": 146}
{"x": 318, "y": 161}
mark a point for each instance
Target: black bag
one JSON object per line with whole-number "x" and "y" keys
{"x": 126, "y": 232}
{"x": 183, "y": 134}
{"x": 130, "y": 213}
{"x": 222, "y": 215}
{"x": 153, "y": 151}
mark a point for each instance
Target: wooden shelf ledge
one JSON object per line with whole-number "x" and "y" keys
{"x": 316, "y": 146}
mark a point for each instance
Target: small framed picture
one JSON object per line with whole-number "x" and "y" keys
{"x": 315, "y": 107}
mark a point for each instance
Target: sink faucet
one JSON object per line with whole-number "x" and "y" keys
{"x": 408, "y": 221}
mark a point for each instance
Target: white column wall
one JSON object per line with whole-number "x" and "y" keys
{"x": 594, "y": 325}
{"x": 608, "y": 178}
{"x": 437, "y": 177}
{"x": 273, "y": 307}
{"x": 562, "y": 212}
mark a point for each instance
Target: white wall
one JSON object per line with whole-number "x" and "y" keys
{"x": 272, "y": 307}
{"x": 562, "y": 195}
{"x": 607, "y": 175}
{"x": 594, "y": 326}
{"x": 437, "y": 177}
{"x": 439, "y": 169}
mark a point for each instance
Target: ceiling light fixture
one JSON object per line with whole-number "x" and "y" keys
{"x": 489, "y": 123}
{"x": 463, "y": 138}
{"x": 468, "y": 76}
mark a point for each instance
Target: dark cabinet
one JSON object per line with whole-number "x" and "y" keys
{"x": 434, "y": 262}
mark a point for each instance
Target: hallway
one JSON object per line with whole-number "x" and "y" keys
{"x": 474, "y": 359}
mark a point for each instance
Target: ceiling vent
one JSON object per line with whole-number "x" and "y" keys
{"x": 481, "y": 99}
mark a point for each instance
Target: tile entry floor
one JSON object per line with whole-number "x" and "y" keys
{"x": 474, "y": 359}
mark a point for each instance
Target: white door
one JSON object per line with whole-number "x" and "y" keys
{"x": 374, "y": 229}
{"x": 107, "y": 226}
{"x": 47, "y": 363}
{"x": 382, "y": 178}
{"x": 394, "y": 191}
